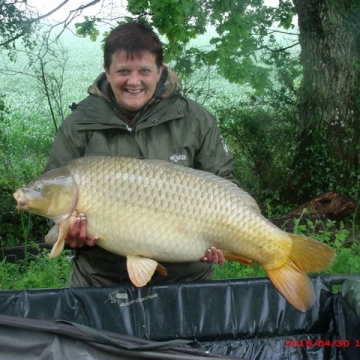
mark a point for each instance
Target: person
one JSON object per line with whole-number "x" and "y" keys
{"x": 136, "y": 109}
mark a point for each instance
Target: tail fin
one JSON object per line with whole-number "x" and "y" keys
{"x": 290, "y": 279}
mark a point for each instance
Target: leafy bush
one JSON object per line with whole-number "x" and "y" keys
{"x": 316, "y": 169}
{"x": 261, "y": 141}
{"x": 37, "y": 271}
{"x": 337, "y": 236}
{"x": 24, "y": 144}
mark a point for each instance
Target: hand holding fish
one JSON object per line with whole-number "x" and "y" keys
{"x": 77, "y": 235}
{"x": 214, "y": 255}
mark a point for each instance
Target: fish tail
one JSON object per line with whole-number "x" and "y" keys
{"x": 306, "y": 255}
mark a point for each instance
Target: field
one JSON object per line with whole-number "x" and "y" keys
{"x": 27, "y": 131}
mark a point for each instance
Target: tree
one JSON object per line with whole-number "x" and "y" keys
{"x": 327, "y": 155}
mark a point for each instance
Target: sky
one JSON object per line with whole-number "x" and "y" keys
{"x": 44, "y": 7}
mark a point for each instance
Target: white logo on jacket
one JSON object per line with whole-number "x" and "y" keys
{"x": 177, "y": 157}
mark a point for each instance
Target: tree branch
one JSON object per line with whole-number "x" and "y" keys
{"x": 278, "y": 50}
{"x": 49, "y": 13}
{"x": 71, "y": 16}
{"x": 271, "y": 31}
{"x": 13, "y": 39}
{"x": 80, "y": 8}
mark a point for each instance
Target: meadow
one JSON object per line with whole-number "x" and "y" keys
{"x": 27, "y": 131}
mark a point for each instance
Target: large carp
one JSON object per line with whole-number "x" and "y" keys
{"x": 152, "y": 211}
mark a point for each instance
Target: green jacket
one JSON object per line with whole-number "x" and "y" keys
{"x": 172, "y": 128}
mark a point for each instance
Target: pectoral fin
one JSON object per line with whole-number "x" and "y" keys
{"x": 140, "y": 269}
{"x": 61, "y": 231}
{"x": 52, "y": 235}
{"x": 60, "y": 242}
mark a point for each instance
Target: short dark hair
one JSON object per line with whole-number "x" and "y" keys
{"x": 134, "y": 38}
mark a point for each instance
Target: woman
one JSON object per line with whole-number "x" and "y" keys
{"x": 135, "y": 109}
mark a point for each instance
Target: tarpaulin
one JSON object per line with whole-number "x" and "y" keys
{"x": 245, "y": 318}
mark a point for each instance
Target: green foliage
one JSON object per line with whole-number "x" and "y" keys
{"x": 179, "y": 21}
{"x": 285, "y": 13}
{"x": 23, "y": 150}
{"x": 337, "y": 236}
{"x": 260, "y": 136}
{"x": 37, "y": 271}
{"x": 241, "y": 26}
{"x": 188, "y": 63}
{"x": 235, "y": 270}
{"x": 88, "y": 28}
{"x": 323, "y": 171}
{"x": 16, "y": 23}
{"x": 19, "y": 228}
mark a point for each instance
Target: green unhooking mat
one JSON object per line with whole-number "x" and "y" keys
{"x": 230, "y": 319}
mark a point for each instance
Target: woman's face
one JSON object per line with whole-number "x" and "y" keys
{"x": 133, "y": 80}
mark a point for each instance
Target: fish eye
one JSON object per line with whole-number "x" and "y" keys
{"x": 39, "y": 187}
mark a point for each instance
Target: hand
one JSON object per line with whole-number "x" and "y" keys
{"x": 214, "y": 255}
{"x": 76, "y": 237}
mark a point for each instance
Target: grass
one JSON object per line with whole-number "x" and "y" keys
{"x": 337, "y": 236}
{"x": 36, "y": 271}
{"x": 33, "y": 271}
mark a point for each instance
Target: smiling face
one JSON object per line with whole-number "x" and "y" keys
{"x": 133, "y": 79}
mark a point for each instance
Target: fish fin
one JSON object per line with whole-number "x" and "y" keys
{"x": 294, "y": 285}
{"x": 140, "y": 269}
{"x": 52, "y": 235}
{"x": 290, "y": 279}
{"x": 238, "y": 258}
{"x": 309, "y": 254}
{"x": 161, "y": 270}
{"x": 60, "y": 242}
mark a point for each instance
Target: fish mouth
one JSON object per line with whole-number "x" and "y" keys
{"x": 19, "y": 199}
